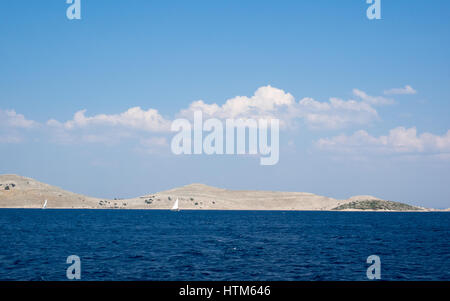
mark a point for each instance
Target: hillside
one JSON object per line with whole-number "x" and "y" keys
{"x": 22, "y": 192}
{"x": 199, "y": 196}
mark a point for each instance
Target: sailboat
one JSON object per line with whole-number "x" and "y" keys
{"x": 40, "y": 194}
{"x": 175, "y": 206}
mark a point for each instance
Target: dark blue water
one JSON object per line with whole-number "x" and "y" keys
{"x": 221, "y": 245}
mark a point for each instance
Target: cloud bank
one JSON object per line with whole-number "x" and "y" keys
{"x": 269, "y": 102}
{"x": 399, "y": 140}
{"x": 149, "y": 129}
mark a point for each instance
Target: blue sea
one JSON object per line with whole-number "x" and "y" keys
{"x": 222, "y": 245}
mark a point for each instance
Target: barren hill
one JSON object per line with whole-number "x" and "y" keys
{"x": 22, "y": 192}
{"x": 199, "y": 196}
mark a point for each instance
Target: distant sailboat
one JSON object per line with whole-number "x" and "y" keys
{"x": 45, "y": 204}
{"x": 175, "y": 206}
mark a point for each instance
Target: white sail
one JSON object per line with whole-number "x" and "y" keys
{"x": 45, "y": 204}
{"x": 175, "y": 206}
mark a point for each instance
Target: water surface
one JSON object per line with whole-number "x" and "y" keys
{"x": 222, "y": 245}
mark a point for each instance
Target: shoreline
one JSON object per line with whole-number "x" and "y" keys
{"x": 242, "y": 210}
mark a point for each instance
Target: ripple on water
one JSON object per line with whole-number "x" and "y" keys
{"x": 214, "y": 245}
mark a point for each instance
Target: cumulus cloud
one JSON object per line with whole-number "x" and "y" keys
{"x": 12, "y": 126}
{"x": 269, "y": 102}
{"x": 11, "y": 119}
{"x": 108, "y": 129}
{"x": 400, "y": 140}
{"x": 266, "y": 103}
{"x": 401, "y": 91}
{"x": 134, "y": 118}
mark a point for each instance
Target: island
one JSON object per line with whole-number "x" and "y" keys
{"x": 22, "y": 192}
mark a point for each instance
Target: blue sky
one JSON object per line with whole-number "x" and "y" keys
{"x": 165, "y": 55}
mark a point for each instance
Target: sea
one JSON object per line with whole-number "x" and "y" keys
{"x": 222, "y": 245}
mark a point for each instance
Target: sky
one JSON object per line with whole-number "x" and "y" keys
{"x": 87, "y": 104}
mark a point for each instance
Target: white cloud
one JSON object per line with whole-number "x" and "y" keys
{"x": 12, "y": 125}
{"x": 133, "y": 118}
{"x": 266, "y": 103}
{"x": 269, "y": 102}
{"x": 373, "y": 100}
{"x": 129, "y": 126}
{"x": 400, "y": 140}
{"x": 336, "y": 113}
{"x": 10, "y": 118}
{"x": 401, "y": 91}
